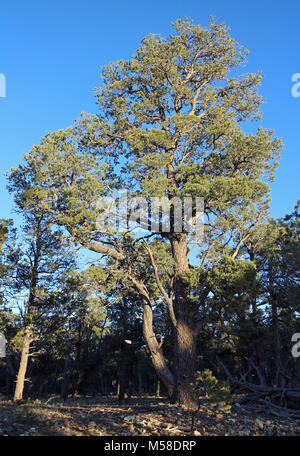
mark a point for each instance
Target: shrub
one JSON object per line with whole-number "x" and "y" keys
{"x": 218, "y": 393}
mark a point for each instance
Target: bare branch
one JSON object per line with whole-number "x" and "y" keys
{"x": 167, "y": 299}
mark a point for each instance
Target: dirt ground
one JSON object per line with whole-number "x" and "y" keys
{"x": 138, "y": 416}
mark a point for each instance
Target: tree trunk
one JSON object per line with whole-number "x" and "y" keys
{"x": 158, "y": 388}
{"x": 66, "y": 379}
{"x": 28, "y": 329}
{"x": 277, "y": 344}
{"x": 125, "y": 372}
{"x": 23, "y": 364}
{"x": 185, "y": 335}
{"x": 156, "y": 353}
{"x": 139, "y": 383}
{"x": 276, "y": 329}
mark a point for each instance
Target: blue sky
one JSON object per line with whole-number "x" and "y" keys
{"x": 51, "y": 54}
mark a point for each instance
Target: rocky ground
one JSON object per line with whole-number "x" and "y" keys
{"x": 138, "y": 416}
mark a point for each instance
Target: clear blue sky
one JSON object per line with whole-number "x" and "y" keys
{"x": 51, "y": 53}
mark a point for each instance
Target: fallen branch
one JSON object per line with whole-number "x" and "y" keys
{"x": 285, "y": 412}
{"x": 262, "y": 389}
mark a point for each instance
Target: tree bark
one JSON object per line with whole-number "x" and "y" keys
{"x": 28, "y": 329}
{"x": 18, "y": 395}
{"x": 185, "y": 335}
{"x": 156, "y": 353}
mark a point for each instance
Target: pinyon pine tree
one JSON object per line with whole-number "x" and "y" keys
{"x": 170, "y": 124}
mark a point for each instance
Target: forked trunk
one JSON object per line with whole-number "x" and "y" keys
{"x": 155, "y": 349}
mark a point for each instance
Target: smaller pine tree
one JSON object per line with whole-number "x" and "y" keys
{"x": 218, "y": 393}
